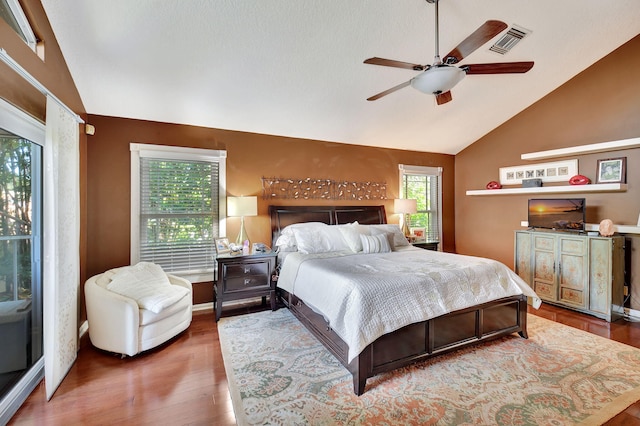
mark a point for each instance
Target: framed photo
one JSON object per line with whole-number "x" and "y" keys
{"x": 612, "y": 170}
{"x": 419, "y": 234}
{"x": 557, "y": 171}
{"x": 222, "y": 245}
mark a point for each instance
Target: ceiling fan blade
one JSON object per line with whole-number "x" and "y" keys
{"x": 386, "y": 92}
{"x": 443, "y": 98}
{"x": 486, "y": 32}
{"x": 395, "y": 64}
{"x": 498, "y": 68}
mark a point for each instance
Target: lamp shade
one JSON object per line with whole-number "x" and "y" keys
{"x": 405, "y": 205}
{"x": 242, "y": 206}
{"x": 438, "y": 79}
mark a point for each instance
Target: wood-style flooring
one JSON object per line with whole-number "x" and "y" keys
{"x": 184, "y": 382}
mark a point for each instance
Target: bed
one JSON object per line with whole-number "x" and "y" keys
{"x": 396, "y": 338}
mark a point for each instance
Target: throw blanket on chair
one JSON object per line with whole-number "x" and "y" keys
{"x": 148, "y": 285}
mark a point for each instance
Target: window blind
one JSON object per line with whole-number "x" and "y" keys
{"x": 179, "y": 213}
{"x": 423, "y": 184}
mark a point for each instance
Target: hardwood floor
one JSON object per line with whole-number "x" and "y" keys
{"x": 184, "y": 382}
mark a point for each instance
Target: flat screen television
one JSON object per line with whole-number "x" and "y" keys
{"x": 557, "y": 213}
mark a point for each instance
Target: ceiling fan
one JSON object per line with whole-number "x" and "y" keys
{"x": 440, "y": 77}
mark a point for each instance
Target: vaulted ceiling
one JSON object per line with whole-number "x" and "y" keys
{"x": 295, "y": 67}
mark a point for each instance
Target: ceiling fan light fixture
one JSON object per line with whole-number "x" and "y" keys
{"x": 437, "y": 79}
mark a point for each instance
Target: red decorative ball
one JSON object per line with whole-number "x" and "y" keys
{"x": 493, "y": 185}
{"x": 579, "y": 180}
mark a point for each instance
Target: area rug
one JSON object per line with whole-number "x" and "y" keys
{"x": 279, "y": 374}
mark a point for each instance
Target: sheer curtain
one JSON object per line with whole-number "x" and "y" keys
{"x": 61, "y": 243}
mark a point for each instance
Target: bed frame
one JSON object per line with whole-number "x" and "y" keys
{"x": 410, "y": 344}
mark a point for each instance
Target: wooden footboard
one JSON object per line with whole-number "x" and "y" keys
{"x": 419, "y": 341}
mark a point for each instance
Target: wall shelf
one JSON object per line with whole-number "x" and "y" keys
{"x": 599, "y": 187}
{"x": 583, "y": 149}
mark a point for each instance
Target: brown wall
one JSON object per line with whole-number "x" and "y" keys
{"x": 249, "y": 158}
{"x": 599, "y": 105}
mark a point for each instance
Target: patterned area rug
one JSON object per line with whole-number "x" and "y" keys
{"x": 279, "y": 374}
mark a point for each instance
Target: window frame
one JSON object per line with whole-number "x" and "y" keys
{"x": 139, "y": 150}
{"x": 436, "y": 172}
{"x": 26, "y": 31}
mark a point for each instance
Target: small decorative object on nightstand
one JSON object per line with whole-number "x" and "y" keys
{"x": 245, "y": 277}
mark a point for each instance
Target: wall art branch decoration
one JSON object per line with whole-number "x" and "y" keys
{"x": 328, "y": 189}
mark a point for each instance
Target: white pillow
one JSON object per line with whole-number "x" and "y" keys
{"x": 320, "y": 239}
{"x": 287, "y": 240}
{"x": 351, "y": 234}
{"x": 375, "y": 243}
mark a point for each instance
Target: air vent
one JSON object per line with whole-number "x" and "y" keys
{"x": 509, "y": 39}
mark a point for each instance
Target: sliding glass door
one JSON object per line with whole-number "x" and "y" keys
{"x": 20, "y": 259}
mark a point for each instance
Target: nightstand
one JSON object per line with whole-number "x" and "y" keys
{"x": 244, "y": 277}
{"x": 427, "y": 245}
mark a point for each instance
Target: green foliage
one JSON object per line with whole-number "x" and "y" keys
{"x": 421, "y": 188}
{"x": 15, "y": 216}
{"x": 178, "y": 213}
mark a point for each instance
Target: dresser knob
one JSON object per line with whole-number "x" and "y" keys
{"x": 247, "y": 281}
{"x": 247, "y": 269}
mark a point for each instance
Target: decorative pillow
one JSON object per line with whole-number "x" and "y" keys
{"x": 320, "y": 239}
{"x": 375, "y": 243}
{"x": 399, "y": 239}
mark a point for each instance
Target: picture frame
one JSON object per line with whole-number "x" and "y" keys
{"x": 612, "y": 170}
{"x": 418, "y": 233}
{"x": 222, "y": 245}
{"x": 557, "y": 171}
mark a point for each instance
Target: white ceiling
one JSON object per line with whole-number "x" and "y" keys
{"x": 295, "y": 67}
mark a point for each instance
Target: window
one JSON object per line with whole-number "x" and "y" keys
{"x": 13, "y": 14}
{"x": 21, "y": 228}
{"x": 423, "y": 184}
{"x": 177, "y": 208}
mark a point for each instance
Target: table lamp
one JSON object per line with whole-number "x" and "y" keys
{"x": 241, "y": 207}
{"x": 405, "y": 207}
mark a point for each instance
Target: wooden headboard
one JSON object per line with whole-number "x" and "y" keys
{"x": 282, "y": 216}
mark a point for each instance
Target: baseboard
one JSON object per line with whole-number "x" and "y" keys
{"x": 203, "y": 307}
{"x": 84, "y": 328}
{"x": 633, "y": 313}
{"x": 209, "y": 306}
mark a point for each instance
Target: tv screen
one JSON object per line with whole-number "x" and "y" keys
{"x": 557, "y": 213}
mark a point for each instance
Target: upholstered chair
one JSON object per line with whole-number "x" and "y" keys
{"x": 135, "y": 308}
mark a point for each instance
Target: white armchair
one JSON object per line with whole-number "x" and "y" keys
{"x": 135, "y": 308}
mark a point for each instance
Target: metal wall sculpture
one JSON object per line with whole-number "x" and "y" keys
{"x": 309, "y": 188}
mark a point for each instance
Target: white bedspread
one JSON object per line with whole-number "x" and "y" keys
{"x": 364, "y": 296}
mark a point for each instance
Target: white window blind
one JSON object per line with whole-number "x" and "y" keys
{"x": 179, "y": 198}
{"x": 423, "y": 184}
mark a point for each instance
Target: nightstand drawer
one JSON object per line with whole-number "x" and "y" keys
{"x": 244, "y": 269}
{"x": 247, "y": 282}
